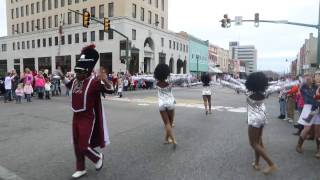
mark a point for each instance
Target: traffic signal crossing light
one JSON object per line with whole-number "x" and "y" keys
{"x": 256, "y": 19}
{"x": 86, "y": 19}
{"x": 106, "y": 24}
{"x": 226, "y": 21}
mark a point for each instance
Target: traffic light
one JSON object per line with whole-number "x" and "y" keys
{"x": 226, "y": 21}
{"x": 106, "y": 24}
{"x": 256, "y": 19}
{"x": 86, "y": 19}
{"x": 223, "y": 23}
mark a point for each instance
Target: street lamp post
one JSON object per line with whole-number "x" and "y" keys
{"x": 197, "y": 57}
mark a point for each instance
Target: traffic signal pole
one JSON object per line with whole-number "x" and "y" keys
{"x": 318, "y": 48}
{"x": 226, "y": 23}
{"x": 114, "y": 30}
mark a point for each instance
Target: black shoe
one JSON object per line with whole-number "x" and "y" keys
{"x": 296, "y": 134}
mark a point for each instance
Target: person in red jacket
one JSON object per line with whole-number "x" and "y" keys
{"x": 89, "y": 124}
{"x": 291, "y": 102}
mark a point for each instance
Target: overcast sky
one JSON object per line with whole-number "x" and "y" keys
{"x": 275, "y": 43}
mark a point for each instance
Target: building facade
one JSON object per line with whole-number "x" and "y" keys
{"x": 223, "y": 60}
{"x": 246, "y": 54}
{"x": 212, "y": 56}
{"x": 198, "y": 54}
{"x": 43, "y": 34}
{"x": 307, "y": 57}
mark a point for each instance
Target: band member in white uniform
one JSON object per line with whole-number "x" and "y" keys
{"x": 166, "y": 101}
{"x": 206, "y": 92}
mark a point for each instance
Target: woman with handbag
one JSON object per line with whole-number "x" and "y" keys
{"x": 206, "y": 92}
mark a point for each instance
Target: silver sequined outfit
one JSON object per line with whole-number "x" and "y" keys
{"x": 256, "y": 113}
{"x": 166, "y": 99}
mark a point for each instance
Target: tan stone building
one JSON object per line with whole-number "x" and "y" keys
{"x": 43, "y": 34}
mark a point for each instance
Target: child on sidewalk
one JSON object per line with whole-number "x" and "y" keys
{"x": 19, "y": 93}
{"x": 28, "y": 90}
{"x": 47, "y": 88}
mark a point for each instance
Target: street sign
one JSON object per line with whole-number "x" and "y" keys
{"x": 238, "y": 20}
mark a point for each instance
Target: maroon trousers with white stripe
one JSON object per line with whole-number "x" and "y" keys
{"x": 82, "y": 134}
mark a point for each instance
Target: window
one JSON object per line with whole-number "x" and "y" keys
{"x": 134, "y": 34}
{"x": 142, "y": 14}
{"x": 50, "y": 22}
{"x": 56, "y": 4}
{"x": 27, "y": 26}
{"x": 101, "y": 35}
{"x": 76, "y": 1}
{"x": 28, "y": 44}
{"x": 17, "y": 12}
{"x": 21, "y": 11}
{"x": 18, "y": 45}
{"x": 149, "y": 17}
{"x": 27, "y": 10}
{"x": 56, "y": 42}
{"x": 50, "y": 41}
{"x": 76, "y": 17}
{"x": 38, "y": 24}
{"x": 32, "y": 25}
{"x": 49, "y": 4}
{"x": 3, "y": 47}
{"x": 157, "y": 3}
{"x": 62, "y": 3}
{"x": 162, "y": 22}
{"x": 22, "y": 27}
{"x": 69, "y": 39}
{"x": 12, "y": 13}
{"x": 43, "y": 5}
{"x": 110, "y": 34}
{"x": 18, "y": 28}
{"x": 43, "y": 23}
{"x": 44, "y": 42}
{"x": 174, "y": 45}
{"x": 169, "y": 44}
{"x": 156, "y": 19}
{"x": 76, "y": 38}
{"x": 162, "y": 42}
{"x": 62, "y": 40}
{"x": 162, "y": 5}
{"x": 13, "y": 46}
{"x": 150, "y": 1}
{"x": 22, "y": 45}
{"x": 93, "y": 36}
{"x": 134, "y": 10}
{"x": 93, "y": 11}
{"x": 69, "y": 18}
{"x": 38, "y": 43}
{"x": 84, "y": 37}
{"x": 110, "y": 10}
{"x": 69, "y": 2}
{"x": 12, "y": 29}
{"x": 101, "y": 11}
{"x": 33, "y": 44}
{"x": 55, "y": 20}
{"x": 38, "y": 7}
{"x": 32, "y": 8}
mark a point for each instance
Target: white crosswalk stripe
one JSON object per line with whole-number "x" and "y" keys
{"x": 148, "y": 101}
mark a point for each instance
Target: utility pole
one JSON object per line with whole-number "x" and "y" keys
{"x": 318, "y": 44}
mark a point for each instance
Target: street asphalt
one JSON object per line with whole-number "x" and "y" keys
{"x": 35, "y": 140}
